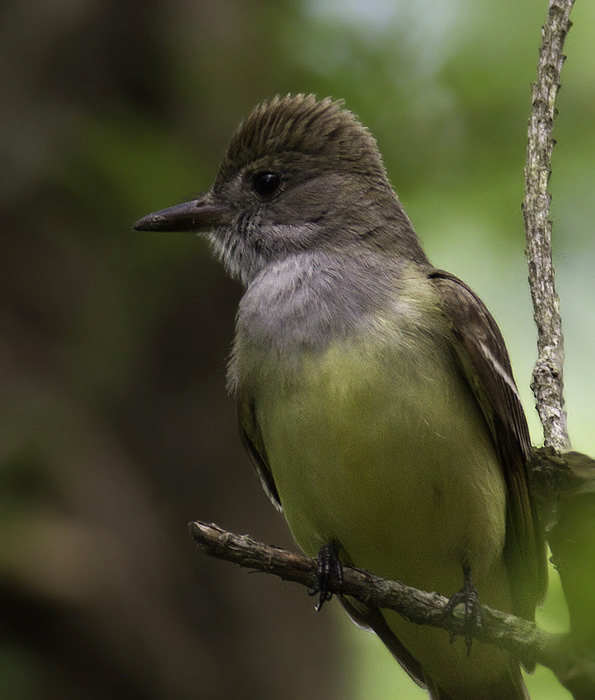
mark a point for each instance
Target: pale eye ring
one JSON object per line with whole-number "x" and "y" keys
{"x": 266, "y": 183}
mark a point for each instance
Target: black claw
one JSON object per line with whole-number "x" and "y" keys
{"x": 470, "y": 598}
{"x": 328, "y": 565}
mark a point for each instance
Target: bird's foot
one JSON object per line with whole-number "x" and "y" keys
{"x": 469, "y": 597}
{"x": 328, "y": 566}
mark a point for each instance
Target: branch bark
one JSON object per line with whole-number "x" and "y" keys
{"x": 563, "y": 482}
{"x": 524, "y": 639}
{"x": 547, "y": 381}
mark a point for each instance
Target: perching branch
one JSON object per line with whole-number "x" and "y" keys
{"x": 547, "y": 381}
{"x": 524, "y": 639}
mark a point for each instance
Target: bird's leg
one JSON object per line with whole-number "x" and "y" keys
{"x": 328, "y": 565}
{"x": 469, "y": 597}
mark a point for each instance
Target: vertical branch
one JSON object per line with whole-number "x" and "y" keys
{"x": 566, "y": 488}
{"x": 547, "y": 381}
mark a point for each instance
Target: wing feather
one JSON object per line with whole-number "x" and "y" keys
{"x": 483, "y": 359}
{"x": 254, "y": 444}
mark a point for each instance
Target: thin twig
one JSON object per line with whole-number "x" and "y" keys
{"x": 547, "y": 381}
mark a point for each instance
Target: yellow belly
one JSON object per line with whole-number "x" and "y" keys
{"x": 397, "y": 467}
{"x": 389, "y": 456}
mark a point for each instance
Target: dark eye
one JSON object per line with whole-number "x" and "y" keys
{"x": 266, "y": 183}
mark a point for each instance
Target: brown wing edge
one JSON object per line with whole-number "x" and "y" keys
{"x": 484, "y": 362}
{"x": 252, "y": 440}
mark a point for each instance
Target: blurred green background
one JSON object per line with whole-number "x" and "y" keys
{"x": 115, "y": 428}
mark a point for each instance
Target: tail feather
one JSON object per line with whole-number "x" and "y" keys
{"x": 509, "y": 686}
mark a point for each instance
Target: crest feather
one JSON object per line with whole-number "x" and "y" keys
{"x": 302, "y": 124}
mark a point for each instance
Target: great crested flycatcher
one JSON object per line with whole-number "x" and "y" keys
{"x": 375, "y": 394}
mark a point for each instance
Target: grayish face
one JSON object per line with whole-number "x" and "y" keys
{"x": 280, "y": 206}
{"x": 299, "y": 175}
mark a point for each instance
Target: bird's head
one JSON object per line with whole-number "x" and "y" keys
{"x": 299, "y": 174}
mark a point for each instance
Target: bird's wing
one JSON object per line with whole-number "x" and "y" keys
{"x": 254, "y": 444}
{"x": 481, "y": 354}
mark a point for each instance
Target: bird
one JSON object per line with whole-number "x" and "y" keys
{"x": 375, "y": 394}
